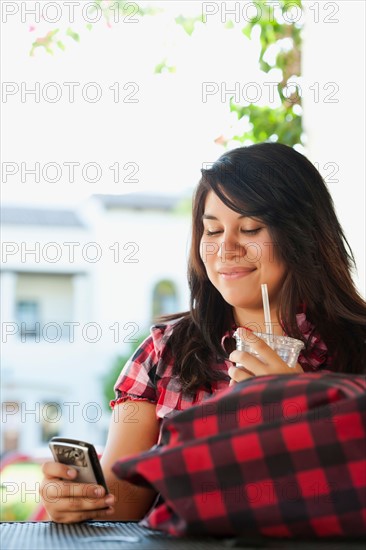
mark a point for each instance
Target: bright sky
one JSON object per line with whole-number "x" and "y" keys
{"x": 161, "y": 140}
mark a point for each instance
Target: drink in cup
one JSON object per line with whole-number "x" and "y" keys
{"x": 287, "y": 348}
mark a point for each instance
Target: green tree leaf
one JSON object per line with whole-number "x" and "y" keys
{"x": 164, "y": 67}
{"x": 188, "y": 23}
{"x": 45, "y": 42}
{"x": 74, "y": 35}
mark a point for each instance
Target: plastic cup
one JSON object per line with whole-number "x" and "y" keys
{"x": 286, "y": 347}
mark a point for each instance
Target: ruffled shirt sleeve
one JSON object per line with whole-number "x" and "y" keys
{"x": 137, "y": 379}
{"x": 148, "y": 376}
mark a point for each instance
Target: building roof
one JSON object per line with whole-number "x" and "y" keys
{"x": 15, "y": 215}
{"x": 21, "y": 215}
{"x": 140, "y": 201}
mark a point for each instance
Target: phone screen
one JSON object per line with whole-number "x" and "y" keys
{"x": 80, "y": 455}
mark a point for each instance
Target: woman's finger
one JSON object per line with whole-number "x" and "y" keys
{"x": 238, "y": 374}
{"x": 267, "y": 362}
{"x": 54, "y": 488}
{"x": 58, "y": 470}
{"x": 256, "y": 366}
{"x": 78, "y": 516}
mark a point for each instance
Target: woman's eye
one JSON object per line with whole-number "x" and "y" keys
{"x": 210, "y": 233}
{"x": 251, "y": 231}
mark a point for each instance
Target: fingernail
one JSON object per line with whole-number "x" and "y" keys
{"x": 109, "y": 499}
{"x": 98, "y": 492}
{"x": 71, "y": 473}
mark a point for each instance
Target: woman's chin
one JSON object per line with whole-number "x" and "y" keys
{"x": 238, "y": 303}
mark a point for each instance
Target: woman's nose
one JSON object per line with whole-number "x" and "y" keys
{"x": 230, "y": 248}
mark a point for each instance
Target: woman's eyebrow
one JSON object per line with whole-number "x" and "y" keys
{"x": 210, "y": 217}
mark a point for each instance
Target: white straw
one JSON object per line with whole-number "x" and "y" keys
{"x": 267, "y": 312}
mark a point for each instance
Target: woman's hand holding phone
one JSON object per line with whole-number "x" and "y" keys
{"x": 65, "y": 499}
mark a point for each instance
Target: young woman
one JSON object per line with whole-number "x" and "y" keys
{"x": 261, "y": 214}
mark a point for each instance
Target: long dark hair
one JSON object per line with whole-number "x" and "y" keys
{"x": 275, "y": 183}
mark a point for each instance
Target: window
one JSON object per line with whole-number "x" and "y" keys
{"x": 27, "y": 312}
{"x": 165, "y": 300}
{"x": 51, "y": 416}
{"x": 11, "y": 423}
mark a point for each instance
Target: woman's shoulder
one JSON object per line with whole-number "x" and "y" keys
{"x": 160, "y": 334}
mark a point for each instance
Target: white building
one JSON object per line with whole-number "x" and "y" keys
{"x": 78, "y": 289}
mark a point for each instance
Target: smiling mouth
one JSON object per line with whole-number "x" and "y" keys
{"x": 235, "y": 274}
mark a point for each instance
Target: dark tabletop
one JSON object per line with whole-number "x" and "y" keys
{"x": 120, "y": 535}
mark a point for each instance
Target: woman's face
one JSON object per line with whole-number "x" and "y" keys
{"x": 239, "y": 255}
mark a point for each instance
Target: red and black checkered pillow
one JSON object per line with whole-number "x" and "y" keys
{"x": 273, "y": 456}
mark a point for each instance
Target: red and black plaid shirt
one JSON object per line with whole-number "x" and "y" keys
{"x": 279, "y": 456}
{"x": 147, "y": 377}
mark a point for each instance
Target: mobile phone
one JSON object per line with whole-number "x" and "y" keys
{"x": 82, "y": 456}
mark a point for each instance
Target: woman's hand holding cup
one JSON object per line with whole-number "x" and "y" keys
{"x": 265, "y": 362}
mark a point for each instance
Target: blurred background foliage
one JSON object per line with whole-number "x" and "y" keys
{"x": 280, "y": 41}
{"x": 17, "y": 504}
{"x": 111, "y": 10}
{"x": 111, "y": 376}
{"x": 283, "y": 123}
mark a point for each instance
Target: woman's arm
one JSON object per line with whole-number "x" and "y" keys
{"x": 134, "y": 428}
